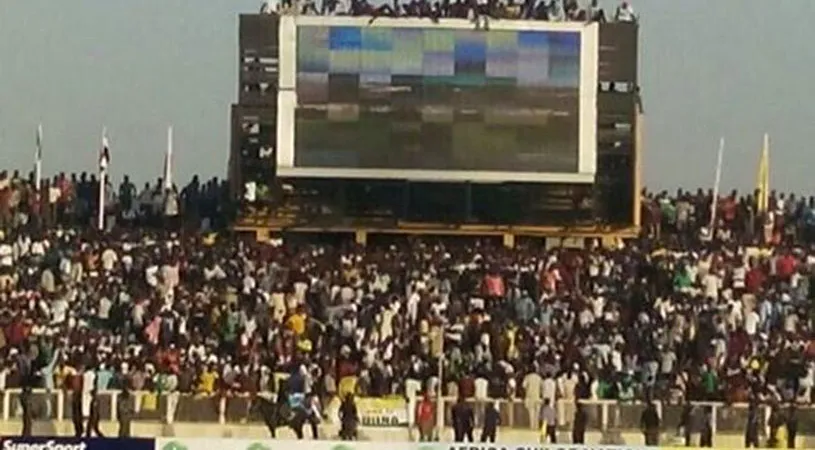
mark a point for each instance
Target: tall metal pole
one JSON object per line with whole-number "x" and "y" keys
{"x": 714, "y": 203}
{"x": 440, "y": 393}
{"x": 102, "y": 186}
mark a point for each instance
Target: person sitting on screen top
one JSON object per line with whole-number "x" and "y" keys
{"x": 435, "y": 12}
{"x": 556, "y": 11}
{"x": 309, "y": 7}
{"x": 268, "y": 7}
{"x": 540, "y": 10}
{"x": 383, "y": 10}
{"x": 595, "y": 13}
{"x": 476, "y": 13}
{"x": 625, "y": 13}
{"x": 360, "y": 8}
{"x": 413, "y": 8}
{"x": 328, "y": 7}
{"x": 458, "y": 9}
{"x": 571, "y": 9}
{"x": 528, "y": 8}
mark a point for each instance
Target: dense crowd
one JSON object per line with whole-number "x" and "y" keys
{"x": 165, "y": 300}
{"x": 548, "y": 10}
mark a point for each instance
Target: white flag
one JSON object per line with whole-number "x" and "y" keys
{"x": 104, "y": 153}
{"x": 168, "y": 160}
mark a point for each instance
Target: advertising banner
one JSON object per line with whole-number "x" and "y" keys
{"x": 225, "y": 444}
{"x": 382, "y": 412}
{"x": 57, "y": 443}
{"x": 247, "y": 444}
{"x": 488, "y": 446}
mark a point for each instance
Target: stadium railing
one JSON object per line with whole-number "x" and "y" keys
{"x": 603, "y": 415}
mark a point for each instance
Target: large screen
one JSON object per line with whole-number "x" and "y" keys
{"x": 434, "y": 98}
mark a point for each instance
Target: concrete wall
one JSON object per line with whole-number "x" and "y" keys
{"x": 506, "y": 436}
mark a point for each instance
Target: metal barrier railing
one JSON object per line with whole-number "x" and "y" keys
{"x": 603, "y": 415}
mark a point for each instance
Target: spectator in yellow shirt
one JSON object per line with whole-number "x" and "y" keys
{"x": 207, "y": 380}
{"x": 297, "y": 322}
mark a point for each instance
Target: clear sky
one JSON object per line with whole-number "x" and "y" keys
{"x": 732, "y": 68}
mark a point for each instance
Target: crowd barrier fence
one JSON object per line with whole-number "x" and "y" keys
{"x": 603, "y": 415}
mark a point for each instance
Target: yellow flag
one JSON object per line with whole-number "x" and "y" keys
{"x": 544, "y": 429}
{"x": 763, "y": 179}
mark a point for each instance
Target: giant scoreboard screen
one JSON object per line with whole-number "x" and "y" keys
{"x": 415, "y": 100}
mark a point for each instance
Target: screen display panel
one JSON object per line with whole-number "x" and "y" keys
{"x": 438, "y": 99}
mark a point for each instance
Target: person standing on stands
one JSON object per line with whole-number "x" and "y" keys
{"x": 299, "y": 418}
{"x": 349, "y": 418}
{"x": 424, "y": 419}
{"x": 313, "y": 413}
{"x": 25, "y": 405}
{"x": 686, "y": 423}
{"x": 581, "y": 420}
{"x": 752, "y": 427}
{"x": 492, "y": 420}
{"x": 778, "y": 429}
{"x": 548, "y": 420}
{"x": 76, "y": 412}
{"x": 649, "y": 424}
{"x": 94, "y": 416}
{"x": 792, "y": 426}
{"x": 124, "y": 412}
{"x": 463, "y": 421}
{"x": 706, "y": 432}
{"x": 282, "y": 413}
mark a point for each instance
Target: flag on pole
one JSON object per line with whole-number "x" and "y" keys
{"x": 104, "y": 153}
{"x": 104, "y": 162}
{"x": 763, "y": 178}
{"x": 714, "y": 202}
{"x": 38, "y": 159}
{"x": 38, "y": 155}
{"x": 168, "y": 160}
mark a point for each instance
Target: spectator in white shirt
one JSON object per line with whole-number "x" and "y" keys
{"x": 556, "y": 13}
{"x": 6, "y": 255}
{"x": 268, "y": 7}
{"x": 250, "y": 192}
{"x": 595, "y": 13}
{"x": 481, "y": 384}
{"x": 751, "y": 323}
{"x": 625, "y": 13}
{"x": 549, "y": 390}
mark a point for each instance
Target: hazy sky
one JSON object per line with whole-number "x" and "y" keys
{"x": 732, "y": 68}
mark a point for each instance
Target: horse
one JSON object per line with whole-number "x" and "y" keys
{"x": 278, "y": 414}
